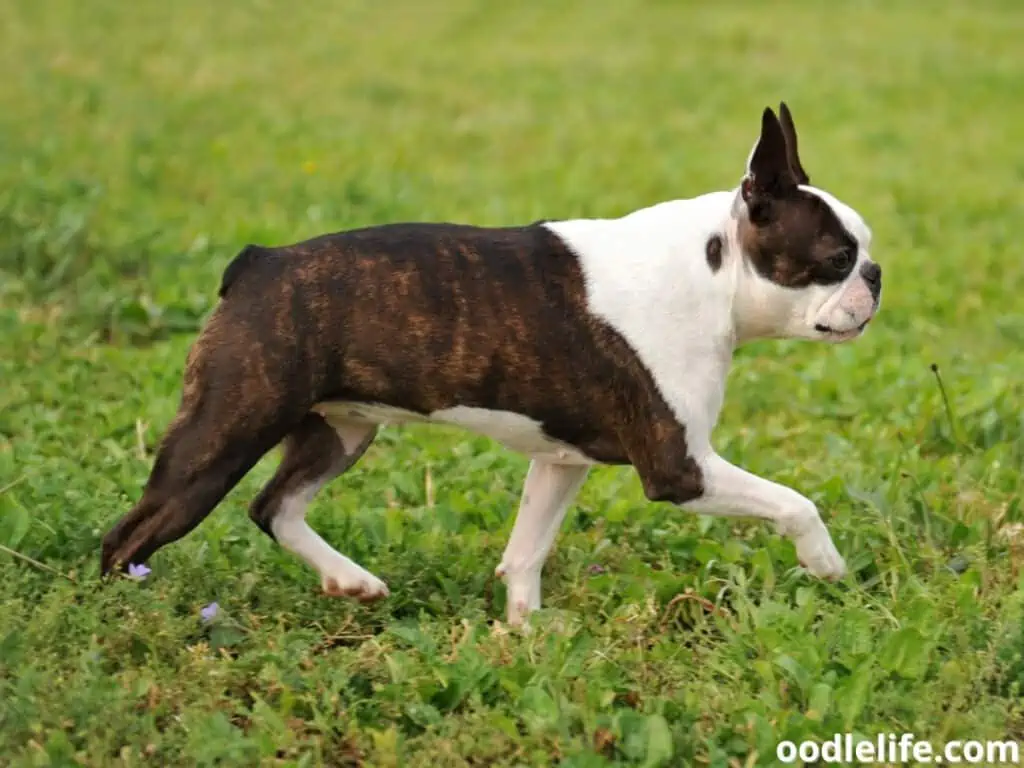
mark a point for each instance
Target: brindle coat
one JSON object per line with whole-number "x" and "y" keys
{"x": 420, "y": 317}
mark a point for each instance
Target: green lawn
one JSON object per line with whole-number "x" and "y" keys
{"x": 140, "y": 148}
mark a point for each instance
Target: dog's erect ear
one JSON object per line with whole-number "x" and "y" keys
{"x": 768, "y": 172}
{"x": 789, "y": 131}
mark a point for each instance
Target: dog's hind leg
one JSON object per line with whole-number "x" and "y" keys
{"x": 547, "y": 494}
{"x": 314, "y": 454}
{"x": 200, "y": 460}
{"x": 232, "y": 412}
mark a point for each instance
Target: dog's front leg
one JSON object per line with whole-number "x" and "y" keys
{"x": 730, "y": 491}
{"x": 547, "y": 494}
{"x": 712, "y": 486}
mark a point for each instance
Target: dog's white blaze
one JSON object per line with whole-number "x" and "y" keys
{"x": 849, "y": 218}
{"x": 514, "y": 431}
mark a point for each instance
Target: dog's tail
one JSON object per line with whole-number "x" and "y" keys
{"x": 240, "y": 264}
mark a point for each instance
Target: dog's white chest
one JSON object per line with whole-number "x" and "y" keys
{"x": 515, "y": 431}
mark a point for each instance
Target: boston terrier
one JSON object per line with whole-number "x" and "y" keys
{"x": 575, "y": 342}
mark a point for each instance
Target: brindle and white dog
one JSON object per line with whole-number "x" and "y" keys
{"x": 579, "y": 342}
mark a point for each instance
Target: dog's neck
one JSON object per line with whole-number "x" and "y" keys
{"x": 754, "y": 315}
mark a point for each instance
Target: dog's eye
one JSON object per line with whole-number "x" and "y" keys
{"x": 842, "y": 260}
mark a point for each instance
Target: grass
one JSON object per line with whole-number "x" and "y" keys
{"x": 141, "y": 147}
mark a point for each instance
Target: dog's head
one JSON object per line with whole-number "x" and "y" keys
{"x": 806, "y": 271}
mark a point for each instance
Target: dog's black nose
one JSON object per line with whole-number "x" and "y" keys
{"x": 871, "y": 272}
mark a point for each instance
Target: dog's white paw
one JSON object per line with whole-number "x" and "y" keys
{"x": 357, "y": 583}
{"x": 522, "y": 592}
{"x": 518, "y": 613}
{"x": 817, "y": 553}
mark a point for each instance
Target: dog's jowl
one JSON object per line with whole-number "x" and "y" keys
{"x": 575, "y": 342}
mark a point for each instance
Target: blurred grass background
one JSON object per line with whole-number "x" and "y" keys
{"x": 141, "y": 145}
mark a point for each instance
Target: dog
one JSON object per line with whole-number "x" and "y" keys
{"x": 575, "y": 342}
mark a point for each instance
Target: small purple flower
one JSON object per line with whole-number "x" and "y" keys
{"x": 209, "y": 612}
{"x": 596, "y": 569}
{"x": 138, "y": 571}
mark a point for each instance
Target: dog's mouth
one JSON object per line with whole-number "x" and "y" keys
{"x": 832, "y": 333}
